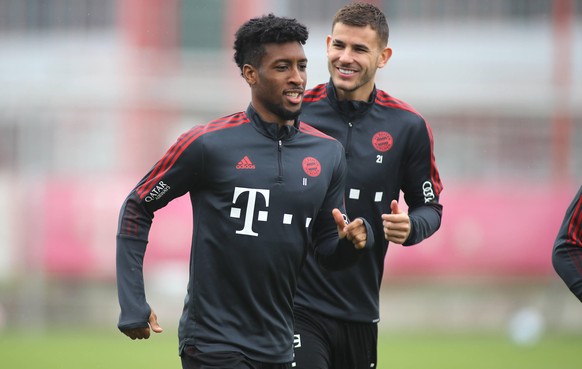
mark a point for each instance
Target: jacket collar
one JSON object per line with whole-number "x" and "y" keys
{"x": 350, "y": 108}
{"x": 271, "y": 130}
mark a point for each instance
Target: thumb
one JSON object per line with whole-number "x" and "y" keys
{"x": 394, "y": 207}
{"x": 340, "y": 221}
{"x": 154, "y": 323}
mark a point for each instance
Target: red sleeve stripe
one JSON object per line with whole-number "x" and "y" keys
{"x": 183, "y": 142}
{"x": 574, "y": 235}
{"x": 383, "y": 99}
{"x": 315, "y": 94}
{"x": 129, "y": 225}
{"x": 434, "y": 173}
{"x": 576, "y": 257}
{"x": 307, "y": 129}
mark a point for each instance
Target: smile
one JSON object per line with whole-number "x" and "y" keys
{"x": 293, "y": 94}
{"x": 346, "y": 71}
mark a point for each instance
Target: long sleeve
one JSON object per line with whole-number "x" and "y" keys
{"x": 567, "y": 251}
{"x": 422, "y": 186}
{"x": 425, "y": 220}
{"x": 172, "y": 176}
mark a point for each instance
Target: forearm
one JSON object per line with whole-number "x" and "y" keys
{"x": 567, "y": 261}
{"x": 424, "y": 221}
{"x": 344, "y": 253}
{"x": 130, "y": 283}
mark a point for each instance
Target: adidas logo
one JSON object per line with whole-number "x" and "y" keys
{"x": 245, "y": 163}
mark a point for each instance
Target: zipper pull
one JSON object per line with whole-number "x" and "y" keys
{"x": 350, "y": 124}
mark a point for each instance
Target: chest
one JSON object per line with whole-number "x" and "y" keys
{"x": 278, "y": 173}
{"x": 375, "y": 144}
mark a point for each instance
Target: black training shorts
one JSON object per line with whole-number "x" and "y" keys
{"x": 192, "y": 358}
{"x": 322, "y": 342}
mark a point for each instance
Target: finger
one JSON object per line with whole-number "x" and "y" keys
{"x": 129, "y": 334}
{"x": 340, "y": 221}
{"x": 393, "y": 217}
{"x": 357, "y": 233}
{"x": 360, "y": 241}
{"x": 154, "y": 323}
{"x": 144, "y": 333}
{"x": 356, "y": 225}
{"x": 396, "y": 236}
{"x": 398, "y": 226}
{"x": 360, "y": 238}
{"x": 356, "y": 230}
{"x": 138, "y": 333}
{"x": 156, "y": 327}
{"x": 394, "y": 207}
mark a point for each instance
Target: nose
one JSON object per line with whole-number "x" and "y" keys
{"x": 298, "y": 76}
{"x": 345, "y": 56}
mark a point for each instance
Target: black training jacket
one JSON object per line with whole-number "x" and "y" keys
{"x": 261, "y": 195}
{"x": 567, "y": 252}
{"x": 389, "y": 148}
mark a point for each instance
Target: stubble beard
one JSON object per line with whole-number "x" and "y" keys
{"x": 283, "y": 113}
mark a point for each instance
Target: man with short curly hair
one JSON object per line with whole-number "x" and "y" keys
{"x": 264, "y": 188}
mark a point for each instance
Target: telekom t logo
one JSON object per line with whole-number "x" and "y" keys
{"x": 235, "y": 212}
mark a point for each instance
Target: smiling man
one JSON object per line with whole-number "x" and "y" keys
{"x": 264, "y": 188}
{"x": 389, "y": 148}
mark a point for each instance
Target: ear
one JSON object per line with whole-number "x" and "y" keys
{"x": 249, "y": 73}
{"x": 328, "y": 42}
{"x": 384, "y": 57}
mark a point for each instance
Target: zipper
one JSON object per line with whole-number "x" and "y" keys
{"x": 280, "y": 160}
{"x": 349, "y": 139}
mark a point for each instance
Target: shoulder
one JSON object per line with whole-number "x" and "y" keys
{"x": 312, "y": 131}
{"x": 226, "y": 122}
{"x": 217, "y": 125}
{"x": 385, "y": 100}
{"x": 320, "y": 140}
{"x": 406, "y": 113}
{"x": 316, "y": 93}
{"x": 208, "y": 136}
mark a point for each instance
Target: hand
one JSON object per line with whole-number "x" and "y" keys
{"x": 396, "y": 225}
{"x": 355, "y": 231}
{"x": 144, "y": 333}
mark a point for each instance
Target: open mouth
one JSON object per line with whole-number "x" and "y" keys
{"x": 345, "y": 71}
{"x": 294, "y": 96}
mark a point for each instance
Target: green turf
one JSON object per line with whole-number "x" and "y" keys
{"x": 90, "y": 350}
{"x": 465, "y": 351}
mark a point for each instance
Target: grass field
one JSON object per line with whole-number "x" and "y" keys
{"x": 91, "y": 350}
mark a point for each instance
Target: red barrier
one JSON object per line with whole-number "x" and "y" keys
{"x": 502, "y": 228}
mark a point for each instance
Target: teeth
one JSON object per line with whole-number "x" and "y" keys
{"x": 292, "y": 94}
{"x": 346, "y": 71}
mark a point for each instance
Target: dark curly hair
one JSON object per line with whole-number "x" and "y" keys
{"x": 360, "y": 14}
{"x": 254, "y": 34}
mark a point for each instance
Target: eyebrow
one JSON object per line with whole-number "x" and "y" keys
{"x": 286, "y": 60}
{"x": 336, "y": 41}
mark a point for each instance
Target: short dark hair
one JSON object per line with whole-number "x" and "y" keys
{"x": 254, "y": 34}
{"x": 361, "y": 15}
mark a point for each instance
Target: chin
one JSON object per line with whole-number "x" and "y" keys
{"x": 291, "y": 114}
{"x": 342, "y": 85}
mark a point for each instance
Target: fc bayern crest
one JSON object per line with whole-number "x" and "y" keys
{"x": 311, "y": 166}
{"x": 382, "y": 141}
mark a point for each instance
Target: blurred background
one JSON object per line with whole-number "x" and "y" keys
{"x": 92, "y": 93}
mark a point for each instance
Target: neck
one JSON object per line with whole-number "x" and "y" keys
{"x": 362, "y": 93}
{"x": 270, "y": 117}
